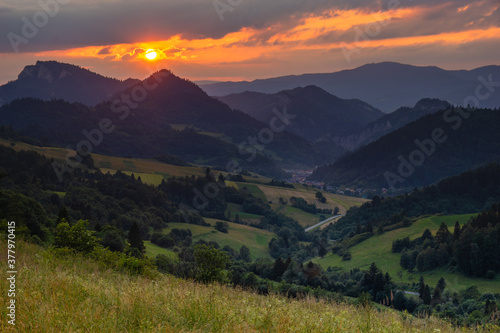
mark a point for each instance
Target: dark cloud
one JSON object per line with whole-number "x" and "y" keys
{"x": 105, "y": 50}
{"x": 104, "y": 22}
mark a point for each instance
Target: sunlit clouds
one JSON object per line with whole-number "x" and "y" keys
{"x": 315, "y": 39}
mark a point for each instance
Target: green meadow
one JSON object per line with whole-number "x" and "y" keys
{"x": 378, "y": 249}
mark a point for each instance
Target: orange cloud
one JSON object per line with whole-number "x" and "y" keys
{"x": 247, "y": 44}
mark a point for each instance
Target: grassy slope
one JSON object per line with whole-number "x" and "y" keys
{"x": 75, "y": 295}
{"x": 273, "y": 193}
{"x": 151, "y": 171}
{"x": 378, "y": 249}
{"x": 152, "y": 250}
{"x": 256, "y": 240}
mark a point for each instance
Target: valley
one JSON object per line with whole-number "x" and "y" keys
{"x": 302, "y": 197}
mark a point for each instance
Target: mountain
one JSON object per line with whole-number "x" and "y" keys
{"x": 317, "y": 112}
{"x": 387, "y": 123}
{"x": 433, "y": 147}
{"x": 387, "y": 86}
{"x": 51, "y": 79}
{"x": 172, "y": 116}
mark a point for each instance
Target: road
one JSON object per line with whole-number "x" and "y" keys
{"x": 321, "y": 223}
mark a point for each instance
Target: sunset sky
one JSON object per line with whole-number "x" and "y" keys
{"x": 246, "y": 39}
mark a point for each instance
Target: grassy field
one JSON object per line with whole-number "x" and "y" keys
{"x": 378, "y": 249}
{"x": 152, "y": 250}
{"x": 74, "y": 294}
{"x": 256, "y": 240}
{"x": 234, "y": 209}
{"x": 273, "y": 193}
{"x": 150, "y": 171}
{"x": 305, "y": 219}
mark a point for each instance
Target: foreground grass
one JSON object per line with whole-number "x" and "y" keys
{"x": 74, "y": 294}
{"x": 378, "y": 249}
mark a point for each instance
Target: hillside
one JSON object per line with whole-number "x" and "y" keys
{"x": 387, "y": 85}
{"x": 378, "y": 249}
{"x": 318, "y": 113}
{"x": 387, "y": 123}
{"x": 467, "y": 193}
{"x": 438, "y": 145}
{"x": 177, "y": 118}
{"x": 83, "y": 294}
{"x": 51, "y": 79}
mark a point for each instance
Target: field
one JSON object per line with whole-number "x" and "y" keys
{"x": 378, "y": 249}
{"x": 152, "y": 250}
{"x": 256, "y": 240}
{"x": 273, "y": 193}
{"x": 74, "y": 294}
{"x": 150, "y": 171}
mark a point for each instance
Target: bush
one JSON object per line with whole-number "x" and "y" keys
{"x": 490, "y": 275}
{"x": 346, "y": 256}
{"x": 76, "y": 237}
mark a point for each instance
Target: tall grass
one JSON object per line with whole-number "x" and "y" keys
{"x": 68, "y": 293}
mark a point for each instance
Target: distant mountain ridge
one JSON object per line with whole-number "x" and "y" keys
{"x": 317, "y": 112}
{"x": 387, "y": 85}
{"x": 48, "y": 80}
{"x": 388, "y": 123}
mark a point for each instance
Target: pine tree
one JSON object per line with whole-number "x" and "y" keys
{"x": 441, "y": 284}
{"x": 421, "y": 287}
{"x": 456, "y": 231}
{"x": 427, "y": 296}
{"x": 135, "y": 238}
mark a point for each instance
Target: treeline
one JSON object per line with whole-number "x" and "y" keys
{"x": 280, "y": 183}
{"x": 302, "y": 204}
{"x": 469, "y": 192}
{"x": 473, "y": 249}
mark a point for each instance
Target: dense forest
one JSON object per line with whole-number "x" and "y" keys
{"x": 472, "y": 249}
{"x": 421, "y": 153}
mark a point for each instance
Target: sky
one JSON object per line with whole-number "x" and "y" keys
{"x": 246, "y": 39}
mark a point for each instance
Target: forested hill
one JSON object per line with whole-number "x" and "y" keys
{"x": 318, "y": 112}
{"x": 175, "y": 118}
{"x": 470, "y": 192}
{"x": 51, "y": 79}
{"x": 388, "y": 123}
{"x": 431, "y": 148}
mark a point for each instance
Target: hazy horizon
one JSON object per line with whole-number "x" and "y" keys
{"x": 239, "y": 40}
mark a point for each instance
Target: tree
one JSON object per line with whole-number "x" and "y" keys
{"x": 112, "y": 239}
{"x": 319, "y": 195}
{"x": 322, "y": 251}
{"x": 436, "y": 296}
{"x": 369, "y": 227}
{"x": 76, "y": 237}
{"x": 135, "y": 238}
{"x": 456, "y": 231}
{"x": 427, "y": 298}
{"x": 335, "y": 210}
{"x": 441, "y": 284}
{"x": 245, "y": 254}
{"x": 399, "y": 300}
{"x": 421, "y": 287}
{"x": 210, "y": 263}
{"x": 443, "y": 233}
{"x": 222, "y": 226}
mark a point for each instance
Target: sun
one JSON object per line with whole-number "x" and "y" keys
{"x": 151, "y": 54}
